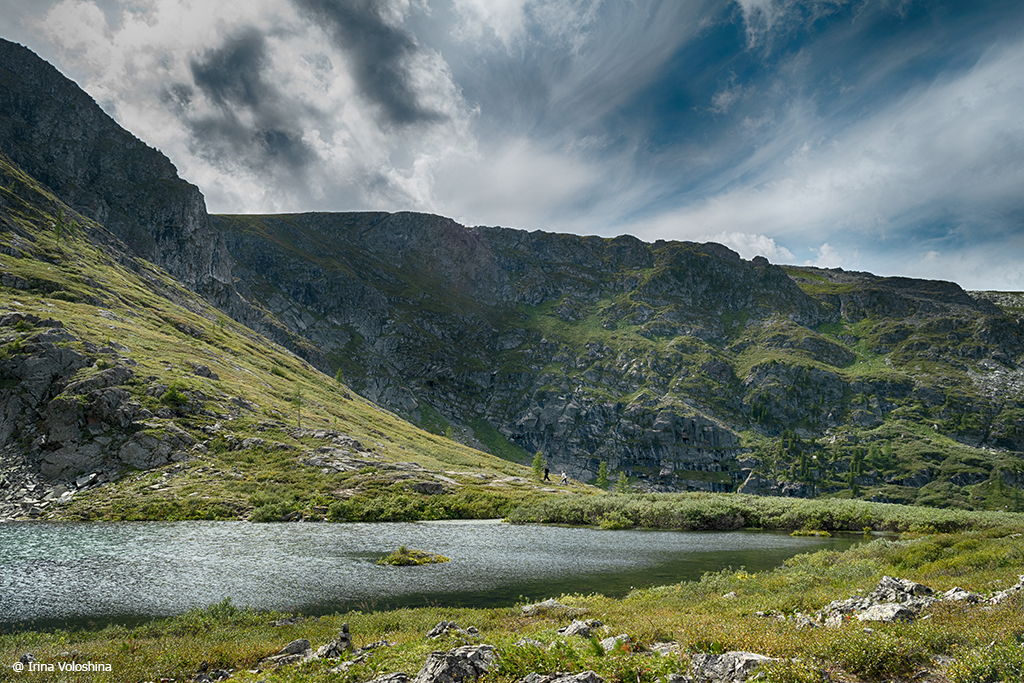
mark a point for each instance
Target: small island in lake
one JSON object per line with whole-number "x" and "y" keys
{"x": 404, "y": 557}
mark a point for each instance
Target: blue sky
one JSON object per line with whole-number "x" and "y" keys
{"x": 877, "y": 135}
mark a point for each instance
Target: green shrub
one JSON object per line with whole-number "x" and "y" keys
{"x": 790, "y": 671}
{"x": 614, "y": 520}
{"x": 876, "y": 654}
{"x": 405, "y": 557}
{"x": 994, "y": 663}
{"x": 175, "y": 395}
{"x": 271, "y": 512}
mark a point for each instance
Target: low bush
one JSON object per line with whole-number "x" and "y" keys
{"x": 994, "y": 663}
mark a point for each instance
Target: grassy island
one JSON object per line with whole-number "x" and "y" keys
{"x": 406, "y": 557}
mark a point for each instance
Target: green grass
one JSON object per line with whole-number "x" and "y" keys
{"x": 406, "y": 557}
{"x": 693, "y": 511}
{"x": 496, "y": 443}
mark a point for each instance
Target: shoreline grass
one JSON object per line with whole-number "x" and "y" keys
{"x": 730, "y": 511}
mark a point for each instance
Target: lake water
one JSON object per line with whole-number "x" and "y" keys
{"x": 53, "y": 573}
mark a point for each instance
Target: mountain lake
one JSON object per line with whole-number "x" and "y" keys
{"x": 56, "y": 574}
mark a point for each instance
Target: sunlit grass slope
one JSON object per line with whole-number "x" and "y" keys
{"x": 255, "y": 419}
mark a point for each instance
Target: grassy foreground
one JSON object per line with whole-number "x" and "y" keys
{"x": 953, "y": 642}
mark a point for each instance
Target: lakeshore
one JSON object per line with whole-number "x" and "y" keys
{"x": 777, "y": 613}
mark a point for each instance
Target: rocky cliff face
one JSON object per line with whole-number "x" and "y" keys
{"x": 655, "y": 358}
{"x": 60, "y": 136}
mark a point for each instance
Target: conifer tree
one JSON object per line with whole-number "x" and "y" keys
{"x": 538, "y": 465}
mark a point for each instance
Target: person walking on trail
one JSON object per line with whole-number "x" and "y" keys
{"x": 546, "y": 474}
{"x": 565, "y": 479}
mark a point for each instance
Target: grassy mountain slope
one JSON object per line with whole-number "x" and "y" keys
{"x": 180, "y": 412}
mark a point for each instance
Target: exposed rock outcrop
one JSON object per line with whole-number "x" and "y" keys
{"x": 67, "y": 419}
{"x": 730, "y": 667}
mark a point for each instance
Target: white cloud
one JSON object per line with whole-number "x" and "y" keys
{"x": 516, "y": 183}
{"x": 953, "y": 147}
{"x": 726, "y": 97}
{"x": 748, "y": 246}
{"x": 358, "y": 160}
{"x": 764, "y": 19}
{"x": 827, "y": 257}
{"x": 511, "y": 21}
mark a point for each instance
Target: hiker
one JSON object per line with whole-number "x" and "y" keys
{"x": 565, "y": 479}
{"x": 546, "y": 474}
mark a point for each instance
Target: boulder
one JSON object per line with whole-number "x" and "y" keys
{"x": 430, "y": 488}
{"x": 891, "y": 589}
{"x": 337, "y": 647}
{"x": 442, "y": 628}
{"x": 1004, "y": 595}
{"x": 561, "y": 677}
{"x": 881, "y": 604}
{"x": 584, "y": 629}
{"x": 730, "y": 667}
{"x": 292, "y": 653}
{"x": 619, "y": 642}
{"x": 529, "y": 642}
{"x": 958, "y": 594}
{"x": 551, "y": 607}
{"x": 459, "y": 665}
{"x": 887, "y": 612}
{"x": 392, "y": 678}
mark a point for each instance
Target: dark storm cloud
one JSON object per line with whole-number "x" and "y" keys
{"x": 231, "y": 75}
{"x": 379, "y": 54}
{"x": 252, "y": 121}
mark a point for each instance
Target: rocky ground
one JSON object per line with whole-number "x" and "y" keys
{"x": 892, "y": 600}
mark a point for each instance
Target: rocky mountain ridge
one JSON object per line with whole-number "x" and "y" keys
{"x": 678, "y": 365}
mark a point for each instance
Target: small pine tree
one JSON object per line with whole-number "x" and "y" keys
{"x": 339, "y": 377}
{"x": 538, "y": 465}
{"x": 602, "y": 475}
{"x": 622, "y": 483}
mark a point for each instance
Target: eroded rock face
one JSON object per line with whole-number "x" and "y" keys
{"x": 58, "y": 434}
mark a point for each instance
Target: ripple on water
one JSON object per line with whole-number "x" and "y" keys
{"x": 72, "y": 572}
